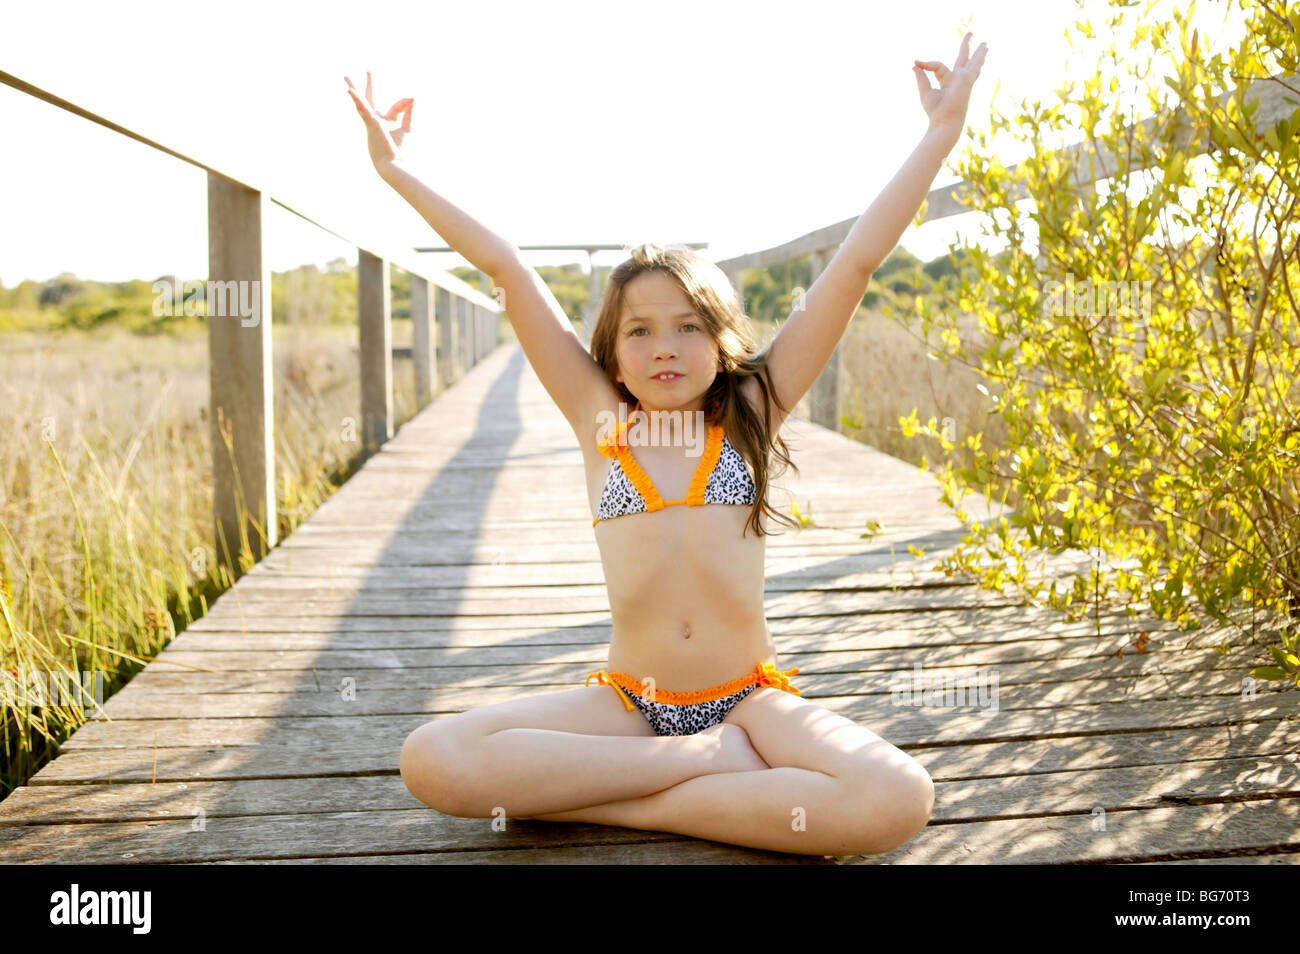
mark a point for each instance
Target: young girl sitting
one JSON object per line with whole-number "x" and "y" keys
{"x": 692, "y": 728}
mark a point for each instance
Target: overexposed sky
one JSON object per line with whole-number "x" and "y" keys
{"x": 739, "y": 124}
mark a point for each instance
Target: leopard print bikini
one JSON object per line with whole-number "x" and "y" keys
{"x": 720, "y": 478}
{"x": 688, "y": 719}
{"x": 686, "y": 713}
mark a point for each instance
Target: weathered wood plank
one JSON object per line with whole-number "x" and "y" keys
{"x": 967, "y": 799}
{"x": 663, "y": 853}
{"x": 1009, "y": 622}
{"x": 290, "y": 834}
{"x": 1114, "y": 835}
{"x": 1282, "y": 857}
{"x": 512, "y": 602}
{"x": 1129, "y": 836}
{"x": 1046, "y": 668}
{"x": 351, "y": 692}
{"x": 903, "y": 726}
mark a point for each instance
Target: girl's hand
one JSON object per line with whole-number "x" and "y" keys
{"x": 383, "y": 140}
{"x": 946, "y": 106}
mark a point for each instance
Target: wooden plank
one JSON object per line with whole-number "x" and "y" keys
{"x": 1062, "y": 831}
{"x": 1049, "y": 668}
{"x": 821, "y": 648}
{"x": 373, "y": 749}
{"x": 904, "y": 726}
{"x": 560, "y": 605}
{"x": 967, "y": 799}
{"x": 350, "y": 695}
{"x": 839, "y": 632}
{"x": 1129, "y": 837}
{"x": 290, "y": 834}
{"x": 878, "y": 571}
{"x": 1282, "y": 857}
{"x": 890, "y": 634}
{"x": 372, "y": 697}
{"x": 663, "y": 853}
{"x": 1133, "y": 677}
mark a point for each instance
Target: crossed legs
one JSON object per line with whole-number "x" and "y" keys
{"x": 799, "y": 778}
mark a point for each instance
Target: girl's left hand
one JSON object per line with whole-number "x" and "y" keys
{"x": 946, "y": 106}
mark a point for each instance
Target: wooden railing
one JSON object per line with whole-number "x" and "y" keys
{"x": 1086, "y": 166}
{"x": 454, "y": 328}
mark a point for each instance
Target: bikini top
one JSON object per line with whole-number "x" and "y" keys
{"x": 720, "y": 478}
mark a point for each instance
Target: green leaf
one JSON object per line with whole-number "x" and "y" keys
{"x": 1268, "y": 672}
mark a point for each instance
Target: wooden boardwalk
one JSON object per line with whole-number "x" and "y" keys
{"x": 459, "y": 569}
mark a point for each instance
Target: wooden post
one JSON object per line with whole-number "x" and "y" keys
{"x": 424, "y": 336}
{"x": 462, "y": 337}
{"x": 475, "y": 321}
{"x": 482, "y": 335}
{"x": 239, "y": 376}
{"x": 593, "y": 291}
{"x": 446, "y": 337}
{"x": 480, "y": 331}
{"x": 476, "y": 311}
{"x": 824, "y": 396}
{"x": 375, "y": 301}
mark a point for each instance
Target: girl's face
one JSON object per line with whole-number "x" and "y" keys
{"x": 660, "y": 331}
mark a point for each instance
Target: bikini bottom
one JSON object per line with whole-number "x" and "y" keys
{"x": 686, "y": 713}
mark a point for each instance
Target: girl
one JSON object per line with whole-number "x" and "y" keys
{"x": 692, "y": 728}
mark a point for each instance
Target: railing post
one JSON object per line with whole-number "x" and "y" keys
{"x": 824, "y": 396}
{"x": 239, "y": 375}
{"x": 478, "y": 331}
{"x": 592, "y": 308}
{"x": 423, "y": 339}
{"x": 475, "y": 334}
{"x": 446, "y": 337}
{"x": 462, "y": 337}
{"x": 375, "y": 319}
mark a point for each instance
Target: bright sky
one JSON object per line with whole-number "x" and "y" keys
{"x": 739, "y": 124}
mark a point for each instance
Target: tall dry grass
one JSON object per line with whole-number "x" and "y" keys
{"x": 107, "y": 543}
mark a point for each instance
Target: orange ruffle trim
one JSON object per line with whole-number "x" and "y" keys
{"x": 765, "y": 674}
{"x": 613, "y": 445}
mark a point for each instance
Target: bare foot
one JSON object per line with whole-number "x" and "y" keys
{"x": 734, "y": 750}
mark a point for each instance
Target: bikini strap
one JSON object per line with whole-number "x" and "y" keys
{"x": 601, "y": 676}
{"x": 768, "y": 675}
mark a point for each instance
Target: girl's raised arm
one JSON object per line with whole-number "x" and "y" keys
{"x": 808, "y": 337}
{"x": 568, "y": 372}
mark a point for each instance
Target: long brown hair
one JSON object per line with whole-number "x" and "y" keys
{"x": 715, "y": 300}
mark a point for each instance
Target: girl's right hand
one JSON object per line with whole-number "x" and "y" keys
{"x": 384, "y": 141}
